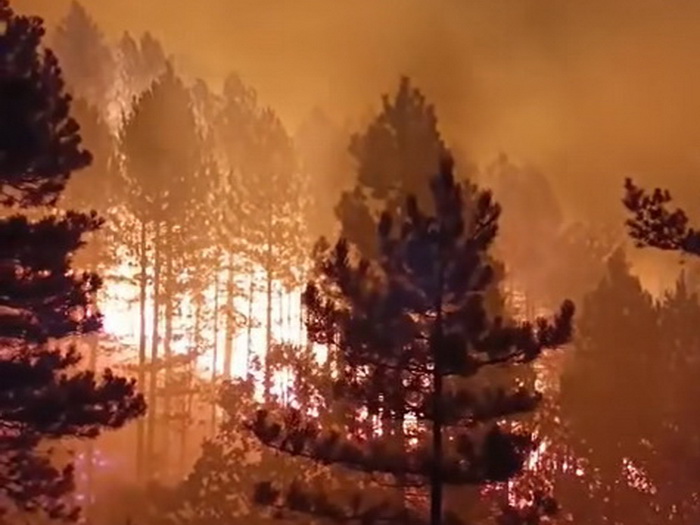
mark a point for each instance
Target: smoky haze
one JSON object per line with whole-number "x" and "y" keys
{"x": 589, "y": 91}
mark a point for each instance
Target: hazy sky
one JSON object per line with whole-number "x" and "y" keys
{"x": 589, "y": 90}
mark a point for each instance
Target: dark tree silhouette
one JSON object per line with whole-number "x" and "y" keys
{"x": 399, "y": 149}
{"x": 414, "y": 334}
{"x": 39, "y": 141}
{"x": 393, "y": 157}
{"x": 43, "y": 300}
{"x": 654, "y": 225}
{"x": 264, "y": 200}
{"x": 618, "y": 330}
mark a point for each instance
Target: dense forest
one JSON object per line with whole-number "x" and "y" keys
{"x": 208, "y": 318}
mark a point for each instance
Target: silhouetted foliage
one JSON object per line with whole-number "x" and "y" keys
{"x": 39, "y": 141}
{"x": 411, "y": 328}
{"x": 394, "y": 155}
{"x": 43, "y": 300}
{"x": 167, "y": 195}
{"x": 654, "y": 225}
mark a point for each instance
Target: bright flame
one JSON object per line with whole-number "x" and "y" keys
{"x": 120, "y": 305}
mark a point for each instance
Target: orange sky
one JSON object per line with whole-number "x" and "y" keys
{"x": 591, "y": 91}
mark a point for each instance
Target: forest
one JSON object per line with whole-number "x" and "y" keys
{"x": 210, "y": 318}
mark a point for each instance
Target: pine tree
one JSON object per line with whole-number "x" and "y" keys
{"x": 85, "y": 57}
{"x": 265, "y": 198}
{"x": 39, "y": 143}
{"x": 618, "y": 330}
{"x": 654, "y": 225}
{"x": 165, "y": 191}
{"x": 399, "y": 148}
{"x": 138, "y": 66}
{"x": 44, "y": 301}
{"x": 234, "y": 126}
{"x": 413, "y": 332}
{"x": 678, "y": 367}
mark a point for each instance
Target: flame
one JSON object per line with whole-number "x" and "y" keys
{"x": 119, "y": 304}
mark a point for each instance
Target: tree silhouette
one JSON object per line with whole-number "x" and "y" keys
{"x": 654, "y": 225}
{"x": 396, "y": 152}
{"x": 85, "y": 57}
{"x": 43, "y": 300}
{"x": 39, "y": 141}
{"x": 414, "y": 334}
{"x": 264, "y": 200}
{"x": 393, "y": 157}
{"x": 618, "y": 330}
{"x": 165, "y": 185}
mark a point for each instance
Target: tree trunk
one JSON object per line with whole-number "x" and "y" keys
{"x": 189, "y": 394}
{"x": 280, "y": 318}
{"x": 267, "y": 381}
{"x": 290, "y": 317}
{"x": 169, "y": 313}
{"x": 436, "y": 492}
{"x": 153, "y": 380}
{"x": 251, "y": 298}
{"x": 230, "y": 319}
{"x": 215, "y": 350}
{"x": 186, "y": 416}
{"x": 143, "y": 288}
{"x": 93, "y": 343}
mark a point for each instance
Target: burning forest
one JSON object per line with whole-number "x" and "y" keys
{"x": 217, "y": 308}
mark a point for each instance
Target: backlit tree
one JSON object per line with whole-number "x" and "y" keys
{"x": 413, "y": 335}
{"x": 85, "y": 57}
{"x": 43, "y": 396}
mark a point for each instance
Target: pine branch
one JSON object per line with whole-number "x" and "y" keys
{"x": 495, "y": 459}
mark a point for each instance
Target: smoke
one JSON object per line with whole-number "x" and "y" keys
{"x": 589, "y": 91}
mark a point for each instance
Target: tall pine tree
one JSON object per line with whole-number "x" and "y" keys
{"x": 85, "y": 57}
{"x": 413, "y": 333}
{"x": 44, "y": 301}
{"x": 392, "y": 157}
{"x": 163, "y": 172}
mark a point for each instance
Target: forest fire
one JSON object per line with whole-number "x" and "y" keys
{"x": 337, "y": 284}
{"x": 119, "y": 305}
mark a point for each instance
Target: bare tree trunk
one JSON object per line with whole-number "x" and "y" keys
{"x": 230, "y": 319}
{"x": 186, "y": 416}
{"x": 280, "y": 316}
{"x": 189, "y": 393}
{"x": 143, "y": 288}
{"x": 290, "y": 317}
{"x": 267, "y": 381}
{"x": 93, "y": 343}
{"x": 169, "y": 312}
{"x": 215, "y": 349}
{"x": 251, "y": 298}
{"x": 436, "y": 492}
{"x": 153, "y": 380}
